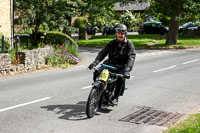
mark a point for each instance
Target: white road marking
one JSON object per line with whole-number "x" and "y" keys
{"x": 190, "y": 61}
{"x": 24, "y": 104}
{"x": 87, "y": 87}
{"x": 165, "y": 68}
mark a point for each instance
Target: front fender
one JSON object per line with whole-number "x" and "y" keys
{"x": 96, "y": 84}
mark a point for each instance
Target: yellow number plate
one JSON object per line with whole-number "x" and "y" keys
{"x": 104, "y": 75}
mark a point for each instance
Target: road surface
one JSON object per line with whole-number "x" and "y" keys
{"x": 54, "y": 101}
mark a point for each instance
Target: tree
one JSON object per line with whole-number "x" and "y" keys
{"x": 128, "y": 19}
{"x": 177, "y": 11}
{"x": 46, "y": 14}
{"x": 99, "y": 12}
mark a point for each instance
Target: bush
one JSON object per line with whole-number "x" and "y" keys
{"x": 81, "y": 24}
{"x": 58, "y": 38}
{"x": 62, "y": 57}
{"x": 70, "y": 30}
{"x": 65, "y": 49}
{"x": 6, "y": 44}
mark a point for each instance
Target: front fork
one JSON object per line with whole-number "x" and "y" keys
{"x": 101, "y": 87}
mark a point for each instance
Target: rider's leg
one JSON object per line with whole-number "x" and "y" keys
{"x": 119, "y": 87}
{"x": 120, "y": 84}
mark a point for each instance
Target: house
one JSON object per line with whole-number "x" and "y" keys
{"x": 6, "y": 21}
{"x": 137, "y": 7}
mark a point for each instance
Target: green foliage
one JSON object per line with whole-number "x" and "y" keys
{"x": 81, "y": 24}
{"x": 12, "y": 53}
{"x": 190, "y": 125}
{"x": 99, "y": 12}
{"x": 6, "y": 44}
{"x": 138, "y": 20}
{"x": 46, "y": 14}
{"x": 127, "y": 18}
{"x": 69, "y": 30}
{"x": 47, "y": 38}
{"x": 182, "y": 10}
{"x": 58, "y": 38}
{"x": 97, "y": 18}
{"x": 179, "y": 12}
{"x": 103, "y": 11}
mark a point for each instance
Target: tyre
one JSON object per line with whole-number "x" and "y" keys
{"x": 144, "y": 32}
{"x": 92, "y": 103}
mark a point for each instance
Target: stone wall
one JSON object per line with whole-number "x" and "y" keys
{"x": 5, "y": 64}
{"x": 29, "y": 60}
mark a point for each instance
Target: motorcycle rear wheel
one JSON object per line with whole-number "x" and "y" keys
{"x": 92, "y": 103}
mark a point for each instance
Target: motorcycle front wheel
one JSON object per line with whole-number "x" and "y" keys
{"x": 92, "y": 103}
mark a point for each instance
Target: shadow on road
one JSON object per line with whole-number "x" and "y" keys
{"x": 72, "y": 112}
{"x": 69, "y": 111}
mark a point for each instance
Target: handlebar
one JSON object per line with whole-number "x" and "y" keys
{"x": 111, "y": 73}
{"x": 116, "y": 74}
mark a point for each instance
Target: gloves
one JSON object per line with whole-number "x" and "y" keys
{"x": 92, "y": 65}
{"x": 127, "y": 75}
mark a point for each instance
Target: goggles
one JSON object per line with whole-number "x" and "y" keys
{"x": 121, "y": 30}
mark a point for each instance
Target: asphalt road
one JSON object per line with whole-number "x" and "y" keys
{"x": 54, "y": 101}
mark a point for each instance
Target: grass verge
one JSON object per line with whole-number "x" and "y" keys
{"x": 140, "y": 41}
{"x": 190, "y": 125}
{"x": 145, "y": 41}
{"x": 184, "y": 41}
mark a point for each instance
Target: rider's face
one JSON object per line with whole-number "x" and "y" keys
{"x": 120, "y": 36}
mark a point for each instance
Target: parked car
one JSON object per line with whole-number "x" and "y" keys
{"x": 192, "y": 30}
{"x": 187, "y": 26}
{"x": 152, "y": 28}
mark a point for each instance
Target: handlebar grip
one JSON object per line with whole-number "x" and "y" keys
{"x": 119, "y": 75}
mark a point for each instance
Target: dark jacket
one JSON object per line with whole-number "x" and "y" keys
{"x": 119, "y": 55}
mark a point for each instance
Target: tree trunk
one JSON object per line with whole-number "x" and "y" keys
{"x": 172, "y": 35}
{"x": 35, "y": 36}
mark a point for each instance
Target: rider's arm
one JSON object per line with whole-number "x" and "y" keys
{"x": 103, "y": 53}
{"x": 131, "y": 55}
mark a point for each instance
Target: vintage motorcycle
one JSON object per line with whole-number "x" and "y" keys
{"x": 109, "y": 30}
{"x": 103, "y": 89}
{"x": 91, "y": 30}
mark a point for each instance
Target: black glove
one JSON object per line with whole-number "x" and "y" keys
{"x": 127, "y": 75}
{"x": 92, "y": 65}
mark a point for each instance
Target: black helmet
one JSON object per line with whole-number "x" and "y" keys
{"x": 121, "y": 28}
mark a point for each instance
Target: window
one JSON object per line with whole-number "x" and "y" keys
{"x": 153, "y": 25}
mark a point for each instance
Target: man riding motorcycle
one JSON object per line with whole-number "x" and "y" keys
{"x": 121, "y": 54}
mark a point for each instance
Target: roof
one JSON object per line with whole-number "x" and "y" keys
{"x": 132, "y": 7}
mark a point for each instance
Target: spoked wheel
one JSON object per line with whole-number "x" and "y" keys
{"x": 92, "y": 103}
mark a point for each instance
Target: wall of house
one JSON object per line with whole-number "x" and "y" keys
{"x": 28, "y": 61}
{"x": 6, "y": 17}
